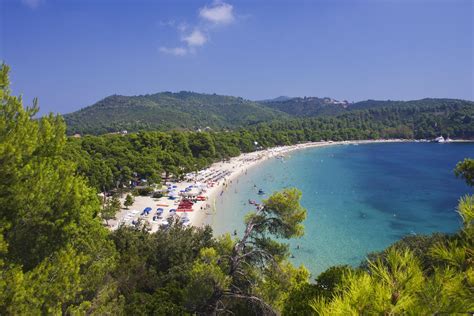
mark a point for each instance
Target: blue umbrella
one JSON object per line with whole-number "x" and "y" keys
{"x": 147, "y": 209}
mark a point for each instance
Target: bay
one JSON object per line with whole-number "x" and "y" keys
{"x": 359, "y": 198}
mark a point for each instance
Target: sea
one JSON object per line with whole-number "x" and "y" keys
{"x": 359, "y": 198}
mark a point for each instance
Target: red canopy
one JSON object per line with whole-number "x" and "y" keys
{"x": 184, "y": 210}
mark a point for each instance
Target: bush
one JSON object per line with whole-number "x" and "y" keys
{"x": 143, "y": 191}
{"x": 157, "y": 195}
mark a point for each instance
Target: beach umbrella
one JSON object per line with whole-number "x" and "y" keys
{"x": 147, "y": 209}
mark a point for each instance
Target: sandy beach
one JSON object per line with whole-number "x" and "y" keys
{"x": 209, "y": 183}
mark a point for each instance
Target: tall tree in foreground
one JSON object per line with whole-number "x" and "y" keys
{"x": 250, "y": 275}
{"x": 54, "y": 254}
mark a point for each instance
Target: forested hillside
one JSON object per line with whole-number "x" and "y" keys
{"x": 312, "y": 107}
{"x": 165, "y": 111}
{"x": 110, "y": 161}
{"x": 192, "y": 111}
{"x": 307, "y": 106}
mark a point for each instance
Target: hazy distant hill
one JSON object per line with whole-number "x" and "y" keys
{"x": 166, "y": 110}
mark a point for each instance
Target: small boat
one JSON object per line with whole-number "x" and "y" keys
{"x": 440, "y": 139}
{"x": 261, "y": 192}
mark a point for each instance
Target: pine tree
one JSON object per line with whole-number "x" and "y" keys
{"x": 54, "y": 250}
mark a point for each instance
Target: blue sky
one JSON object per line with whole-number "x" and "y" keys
{"x": 73, "y": 53}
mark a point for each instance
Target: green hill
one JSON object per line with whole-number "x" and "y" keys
{"x": 166, "y": 110}
{"x": 192, "y": 111}
{"x": 312, "y": 106}
{"x": 307, "y": 106}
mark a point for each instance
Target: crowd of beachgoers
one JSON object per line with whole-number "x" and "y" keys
{"x": 193, "y": 200}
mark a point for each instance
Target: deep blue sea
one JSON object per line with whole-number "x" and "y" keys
{"x": 359, "y": 198}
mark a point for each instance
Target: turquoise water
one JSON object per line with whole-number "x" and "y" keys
{"x": 359, "y": 198}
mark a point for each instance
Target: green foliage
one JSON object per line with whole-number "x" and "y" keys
{"x": 128, "y": 201}
{"x": 465, "y": 170}
{"x": 419, "y": 245}
{"x": 57, "y": 258}
{"x": 112, "y": 206}
{"x": 55, "y": 251}
{"x": 144, "y": 191}
{"x": 116, "y": 161}
{"x": 424, "y": 118}
{"x": 165, "y": 111}
{"x": 157, "y": 268}
{"x": 282, "y": 215}
{"x": 397, "y": 283}
{"x": 326, "y": 287}
{"x": 251, "y": 273}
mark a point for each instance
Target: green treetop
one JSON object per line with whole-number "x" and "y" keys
{"x": 54, "y": 248}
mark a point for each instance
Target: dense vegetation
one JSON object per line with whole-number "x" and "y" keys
{"x": 191, "y": 111}
{"x": 308, "y": 106}
{"x": 313, "y": 107}
{"x": 56, "y": 256}
{"x": 112, "y": 161}
{"x": 165, "y": 111}
{"x": 455, "y": 120}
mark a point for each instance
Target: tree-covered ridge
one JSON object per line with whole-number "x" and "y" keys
{"x": 191, "y": 111}
{"x": 111, "y": 161}
{"x": 313, "y": 107}
{"x": 165, "y": 111}
{"x": 409, "y": 122}
{"x": 308, "y": 106}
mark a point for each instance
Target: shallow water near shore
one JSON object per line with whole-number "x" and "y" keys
{"x": 359, "y": 198}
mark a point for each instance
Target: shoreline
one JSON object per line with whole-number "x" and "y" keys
{"x": 253, "y": 159}
{"x": 214, "y": 180}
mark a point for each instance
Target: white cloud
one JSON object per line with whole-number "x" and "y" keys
{"x": 32, "y": 4}
{"x": 196, "y": 38}
{"x": 182, "y": 27}
{"x": 176, "y": 51}
{"x": 219, "y": 13}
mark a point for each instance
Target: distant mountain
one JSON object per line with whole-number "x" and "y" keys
{"x": 192, "y": 111}
{"x": 309, "y": 106}
{"x": 312, "y": 106}
{"x": 277, "y": 99}
{"x": 167, "y": 110}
